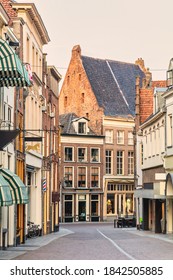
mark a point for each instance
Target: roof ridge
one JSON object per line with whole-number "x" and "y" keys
{"x": 117, "y": 83}
{"x": 112, "y": 60}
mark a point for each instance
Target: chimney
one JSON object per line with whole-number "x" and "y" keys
{"x": 140, "y": 63}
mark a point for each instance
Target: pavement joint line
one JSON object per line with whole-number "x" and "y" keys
{"x": 116, "y": 245}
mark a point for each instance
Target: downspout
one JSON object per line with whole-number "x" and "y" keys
{"x": 165, "y": 203}
{"x": 25, "y": 94}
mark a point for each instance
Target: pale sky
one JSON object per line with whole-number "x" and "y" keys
{"x": 122, "y": 30}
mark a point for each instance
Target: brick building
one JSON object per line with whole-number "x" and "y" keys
{"x": 81, "y": 170}
{"x": 104, "y": 92}
{"x": 50, "y": 148}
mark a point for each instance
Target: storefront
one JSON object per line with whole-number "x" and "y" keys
{"x": 12, "y": 208}
{"x": 119, "y": 199}
{"x": 82, "y": 207}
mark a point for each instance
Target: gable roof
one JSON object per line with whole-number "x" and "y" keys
{"x": 66, "y": 121}
{"x": 113, "y": 84}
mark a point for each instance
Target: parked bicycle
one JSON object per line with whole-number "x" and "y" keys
{"x": 33, "y": 230}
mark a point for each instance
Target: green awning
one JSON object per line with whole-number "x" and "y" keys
{"x": 5, "y": 193}
{"x": 12, "y": 71}
{"x": 19, "y": 190}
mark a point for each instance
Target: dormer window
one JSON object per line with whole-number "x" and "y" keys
{"x": 82, "y": 127}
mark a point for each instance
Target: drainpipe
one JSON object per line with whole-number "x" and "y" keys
{"x": 165, "y": 203}
{"x": 50, "y": 176}
{"x": 25, "y": 94}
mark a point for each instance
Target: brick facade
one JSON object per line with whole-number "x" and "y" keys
{"x": 77, "y": 95}
{"x": 7, "y": 4}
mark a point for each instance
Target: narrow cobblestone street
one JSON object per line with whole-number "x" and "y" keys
{"x": 96, "y": 241}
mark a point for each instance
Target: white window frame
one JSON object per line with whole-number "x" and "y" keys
{"x": 111, "y": 157}
{"x": 130, "y": 138}
{"x": 92, "y": 159}
{"x": 84, "y": 128}
{"x": 69, "y": 147}
{"x": 118, "y": 163}
{"x": 130, "y": 162}
{"x": 120, "y": 137}
{"x": 85, "y": 177}
{"x": 98, "y": 174}
{"x": 109, "y": 136}
{"x": 65, "y": 176}
{"x": 85, "y": 155}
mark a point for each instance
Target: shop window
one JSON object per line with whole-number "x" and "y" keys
{"x": 94, "y": 208}
{"x": 110, "y": 204}
{"x": 68, "y": 211}
{"x": 129, "y": 204}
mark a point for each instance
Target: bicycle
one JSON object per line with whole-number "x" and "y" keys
{"x": 33, "y": 230}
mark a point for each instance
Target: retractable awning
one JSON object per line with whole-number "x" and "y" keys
{"x": 7, "y": 136}
{"x": 5, "y": 193}
{"x": 19, "y": 190}
{"x": 12, "y": 71}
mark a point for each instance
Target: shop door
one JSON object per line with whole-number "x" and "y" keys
{"x": 158, "y": 216}
{"x": 82, "y": 211}
{"x": 145, "y": 225}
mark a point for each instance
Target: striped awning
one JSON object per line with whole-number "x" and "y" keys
{"x": 19, "y": 190}
{"x": 12, "y": 71}
{"x": 5, "y": 193}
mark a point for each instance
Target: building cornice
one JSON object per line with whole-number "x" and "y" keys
{"x": 153, "y": 119}
{"x": 55, "y": 72}
{"x": 35, "y": 16}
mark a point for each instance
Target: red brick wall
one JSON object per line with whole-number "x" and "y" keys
{"x": 159, "y": 84}
{"x": 75, "y": 164}
{"x": 146, "y": 104}
{"x": 8, "y": 8}
{"x": 75, "y": 86}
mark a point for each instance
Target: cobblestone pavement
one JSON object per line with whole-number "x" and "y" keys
{"x": 32, "y": 244}
{"x": 65, "y": 229}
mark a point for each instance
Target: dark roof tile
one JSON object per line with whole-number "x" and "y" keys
{"x": 113, "y": 84}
